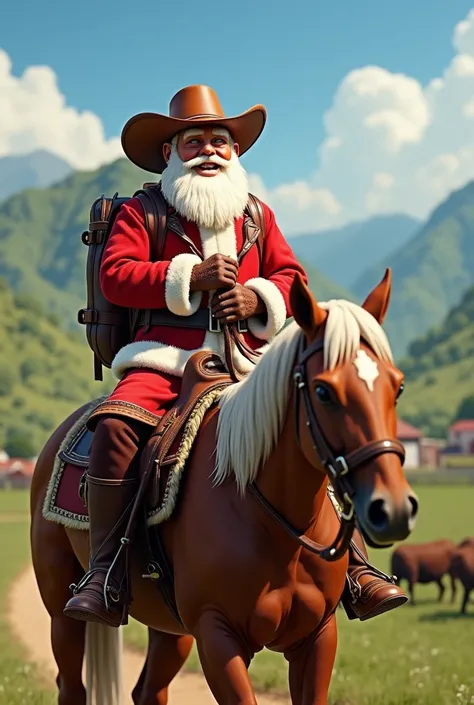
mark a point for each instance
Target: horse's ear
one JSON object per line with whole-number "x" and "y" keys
{"x": 379, "y": 298}
{"x": 304, "y": 307}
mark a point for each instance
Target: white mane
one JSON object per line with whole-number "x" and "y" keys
{"x": 252, "y": 412}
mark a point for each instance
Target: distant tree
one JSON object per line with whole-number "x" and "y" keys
{"x": 33, "y": 366}
{"x": 19, "y": 444}
{"x": 29, "y": 303}
{"x": 7, "y": 382}
{"x": 418, "y": 348}
{"x": 40, "y": 418}
{"x": 455, "y": 353}
{"x": 55, "y": 319}
{"x": 30, "y": 325}
{"x": 465, "y": 409}
{"x": 458, "y": 321}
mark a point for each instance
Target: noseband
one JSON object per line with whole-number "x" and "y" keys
{"x": 338, "y": 467}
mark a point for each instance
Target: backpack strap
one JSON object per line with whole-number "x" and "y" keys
{"x": 155, "y": 209}
{"x": 255, "y": 215}
{"x": 156, "y": 213}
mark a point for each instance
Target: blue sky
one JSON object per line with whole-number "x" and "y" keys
{"x": 115, "y": 61}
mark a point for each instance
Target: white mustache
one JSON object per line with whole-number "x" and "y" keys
{"x": 215, "y": 159}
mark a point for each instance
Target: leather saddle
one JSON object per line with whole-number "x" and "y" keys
{"x": 203, "y": 374}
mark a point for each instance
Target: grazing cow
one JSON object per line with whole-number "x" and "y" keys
{"x": 424, "y": 563}
{"x": 462, "y": 569}
{"x": 469, "y": 541}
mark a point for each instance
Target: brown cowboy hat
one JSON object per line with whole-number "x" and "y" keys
{"x": 145, "y": 134}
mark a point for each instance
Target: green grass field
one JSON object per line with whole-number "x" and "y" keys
{"x": 19, "y": 681}
{"x": 417, "y": 655}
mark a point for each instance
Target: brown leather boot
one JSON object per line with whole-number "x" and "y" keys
{"x": 103, "y": 594}
{"x": 368, "y": 592}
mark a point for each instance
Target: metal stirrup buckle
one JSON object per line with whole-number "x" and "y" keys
{"x": 154, "y": 572}
{"x": 113, "y": 594}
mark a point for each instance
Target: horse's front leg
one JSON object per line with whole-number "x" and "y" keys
{"x": 311, "y": 663}
{"x": 224, "y": 661}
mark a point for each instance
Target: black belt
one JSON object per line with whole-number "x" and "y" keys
{"x": 202, "y": 319}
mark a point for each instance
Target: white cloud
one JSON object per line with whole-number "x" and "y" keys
{"x": 34, "y": 115}
{"x": 392, "y": 145}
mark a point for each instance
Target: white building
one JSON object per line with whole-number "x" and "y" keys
{"x": 411, "y": 438}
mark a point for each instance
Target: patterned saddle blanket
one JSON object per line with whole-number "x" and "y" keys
{"x": 203, "y": 382}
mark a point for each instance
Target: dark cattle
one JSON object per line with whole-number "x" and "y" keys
{"x": 424, "y": 563}
{"x": 462, "y": 569}
{"x": 469, "y": 541}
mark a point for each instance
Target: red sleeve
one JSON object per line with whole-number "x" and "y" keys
{"x": 127, "y": 276}
{"x": 279, "y": 263}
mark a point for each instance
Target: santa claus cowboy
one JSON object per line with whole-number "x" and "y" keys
{"x": 196, "y": 149}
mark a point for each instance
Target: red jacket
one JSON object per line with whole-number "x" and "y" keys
{"x": 130, "y": 279}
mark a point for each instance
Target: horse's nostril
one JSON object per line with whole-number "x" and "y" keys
{"x": 414, "y": 506}
{"x": 377, "y": 514}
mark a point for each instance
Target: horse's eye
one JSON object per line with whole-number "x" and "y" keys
{"x": 400, "y": 390}
{"x": 322, "y": 394}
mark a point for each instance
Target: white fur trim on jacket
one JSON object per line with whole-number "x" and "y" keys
{"x": 276, "y": 308}
{"x": 167, "y": 358}
{"x": 179, "y": 299}
{"x": 219, "y": 241}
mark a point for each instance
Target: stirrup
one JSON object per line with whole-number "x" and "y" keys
{"x": 379, "y": 573}
{"x": 77, "y": 587}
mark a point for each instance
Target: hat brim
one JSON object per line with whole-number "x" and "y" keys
{"x": 145, "y": 134}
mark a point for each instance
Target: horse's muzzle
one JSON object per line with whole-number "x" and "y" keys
{"x": 386, "y": 519}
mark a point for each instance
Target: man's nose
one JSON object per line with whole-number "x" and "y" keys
{"x": 208, "y": 149}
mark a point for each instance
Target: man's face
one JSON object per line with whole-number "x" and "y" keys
{"x": 193, "y": 157}
{"x": 205, "y": 142}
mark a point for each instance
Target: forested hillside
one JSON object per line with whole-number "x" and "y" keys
{"x": 430, "y": 272}
{"x": 440, "y": 370}
{"x": 45, "y": 373}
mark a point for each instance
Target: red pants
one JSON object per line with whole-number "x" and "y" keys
{"x": 142, "y": 394}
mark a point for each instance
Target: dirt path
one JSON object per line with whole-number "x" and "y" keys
{"x": 30, "y": 623}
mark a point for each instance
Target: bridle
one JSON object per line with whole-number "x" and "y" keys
{"x": 338, "y": 467}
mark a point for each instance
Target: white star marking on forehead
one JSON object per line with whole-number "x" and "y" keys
{"x": 366, "y": 369}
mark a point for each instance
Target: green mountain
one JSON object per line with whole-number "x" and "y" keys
{"x": 45, "y": 373}
{"x": 439, "y": 370}
{"x": 343, "y": 254}
{"x": 36, "y": 169}
{"x": 430, "y": 272}
{"x": 41, "y": 252}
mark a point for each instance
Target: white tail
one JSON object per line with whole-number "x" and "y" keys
{"x": 103, "y": 660}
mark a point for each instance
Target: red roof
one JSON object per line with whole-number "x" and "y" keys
{"x": 406, "y": 431}
{"x": 463, "y": 425}
{"x": 17, "y": 465}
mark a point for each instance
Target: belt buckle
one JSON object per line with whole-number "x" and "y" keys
{"x": 214, "y": 325}
{"x": 242, "y": 326}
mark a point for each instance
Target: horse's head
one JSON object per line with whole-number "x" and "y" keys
{"x": 348, "y": 389}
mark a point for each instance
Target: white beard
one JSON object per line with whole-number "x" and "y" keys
{"x": 212, "y": 202}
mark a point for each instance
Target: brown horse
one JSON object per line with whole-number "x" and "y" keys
{"x": 425, "y": 563}
{"x": 320, "y": 403}
{"x": 462, "y": 569}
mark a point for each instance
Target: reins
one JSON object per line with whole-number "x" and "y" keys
{"x": 337, "y": 467}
